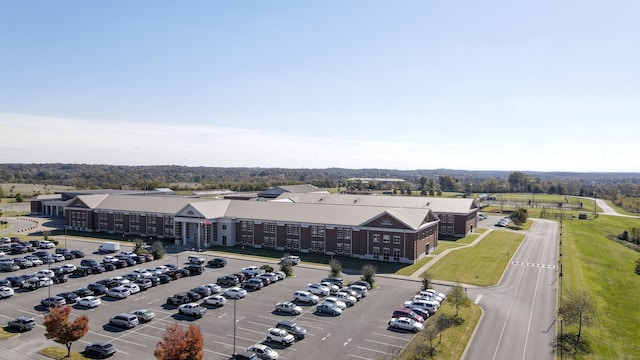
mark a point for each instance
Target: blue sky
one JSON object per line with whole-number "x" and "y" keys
{"x": 493, "y": 85}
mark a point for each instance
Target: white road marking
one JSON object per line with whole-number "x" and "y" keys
{"x": 478, "y": 299}
{"x": 383, "y": 343}
{"x": 346, "y": 342}
{"x": 393, "y": 337}
{"x": 326, "y": 336}
{"x": 377, "y": 351}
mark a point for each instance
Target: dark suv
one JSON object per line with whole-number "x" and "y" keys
{"x": 178, "y": 299}
{"x": 228, "y": 280}
{"x": 97, "y": 288}
{"x": 217, "y": 262}
{"x": 88, "y": 262}
{"x": 292, "y": 328}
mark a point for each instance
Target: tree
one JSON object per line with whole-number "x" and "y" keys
{"x": 157, "y": 250}
{"x": 431, "y": 331}
{"x": 369, "y": 274}
{"x": 179, "y": 344}
{"x": 426, "y": 280}
{"x": 267, "y": 268}
{"x": 578, "y": 308}
{"x": 59, "y": 329}
{"x": 519, "y": 217}
{"x": 335, "y": 268}
{"x": 286, "y": 267}
{"x": 458, "y": 297}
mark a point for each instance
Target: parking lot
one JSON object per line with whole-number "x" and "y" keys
{"x": 361, "y": 332}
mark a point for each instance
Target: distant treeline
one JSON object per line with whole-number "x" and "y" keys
{"x": 622, "y": 188}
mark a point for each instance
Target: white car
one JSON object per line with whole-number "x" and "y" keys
{"x": 118, "y": 292}
{"x": 215, "y": 288}
{"x": 46, "y": 245}
{"x": 45, "y": 273}
{"x": 5, "y": 240}
{"x": 132, "y": 287}
{"x": 58, "y": 257}
{"x": 5, "y": 292}
{"x": 361, "y": 289}
{"x": 192, "y": 309}
{"x": 144, "y": 315}
{"x": 215, "y": 300}
{"x": 68, "y": 268}
{"x": 318, "y": 289}
{"x": 333, "y": 301}
{"x": 235, "y": 293}
{"x": 333, "y": 288}
{"x": 280, "y": 336}
{"x": 34, "y": 259}
{"x": 306, "y": 297}
{"x": 347, "y": 298}
{"x": 109, "y": 259}
{"x": 142, "y": 272}
{"x": 89, "y": 301}
{"x": 252, "y": 271}
{"x": 263, "y": 352}
{"x": 161, "y": 269}
{"x": 406, "y": 323}
{"x": 432, "y": 292}
{"x": 426, "y": 305}
{"x": 2, "y": 255}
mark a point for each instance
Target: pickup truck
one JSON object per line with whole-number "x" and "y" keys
{"x": 252, "y": 271}
{"x": 192, "y": 309}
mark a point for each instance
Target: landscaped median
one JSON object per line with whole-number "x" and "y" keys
{"x": 482, "y": 264}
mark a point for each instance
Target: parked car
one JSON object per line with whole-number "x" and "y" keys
{"x": 195, "y": 269}
{"x": 144, "y": 315}
{"x": 346, "y": 298}
{"x": 215, "y": 288}
{"x": 22, "y": 323}
{"x": 46, "y": 244}
{"x": 263, "y": 352}
{"x": 252, "y": 271}
{"x": 214, "y": 300}
{"x": 333, "y": 301}
{"x": 78, "y": 253}
{"x": 5, "y": 292}
{"x": 362, "y": 283}
{"x": 430, "y": 306}
{"x": 235, "y": 293}
{"x": 68, "y": 268}
{"x": 143, "y": 283}
{"x": 178, "y": 299}
{"x": 45, "y": 273}
{"x": 292, "y": 259}
{"x": 100, "y": 349}
{"x": 124, "y": 320}
{"x": 192, "y": 309}
{"x": 53, "y": 301}
{"x": 70, "y": 297}
{"x": 359, "y": 288}
{"x": 406, "y": 323}
{"x": 118, "y": 292}
{"x": 228, "y": 280}
{"x": 318, "y": 289}
{"x": 252, "y": 284}
{"x": 281, "y": 336}
{"x": 202, "y": 290}
{"x": 82, "y": 292}
{"x": 292, "y": 328}
{"x": 338, "y": 281}
{"x": 89, "y": 301}
{"x": 408, "y": 313}
{"x": 22, "y": 263}
{"x": 217, "y": 263}
{"x": 108, "y": 266}
{"x": 326, "y": 308}
{"x": 306, "y": 297}
{"x": 34, "y": 260}
{"x": 288, "y": 308}
{"x": 97, "y": 288}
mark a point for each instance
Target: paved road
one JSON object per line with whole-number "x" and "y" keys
{"x": 519, "y": 313}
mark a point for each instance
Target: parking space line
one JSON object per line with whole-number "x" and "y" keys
{"x": 359, "y": 357}
{"x": 255, "y": 323}
{"x": 251, "y": 330}
{"x": 391, "y": 336}
{"x": 244, "y": 338}
{"x": 376, "y": 351}
{"x": 215, "y": 352}
{"x": 382, "y": 343}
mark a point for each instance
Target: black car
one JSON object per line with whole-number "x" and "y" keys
{"x": 70, "y": 297}
{"x": 194, "y": 296}
{"x": 16, "y": 281}
{"x": 138, "y": 259}
{"x": 97, "y": 269}
{"x": 228, "y": 280}
{"x": 22, "y": 323}
{"x": 82, "y": 271}
{"x": 59, "y": 279}
{"x": 155, "y": 280}
{"x": 5, "y": 282}
{"x": 180, "y": 273}
{"x": 22, "y": 262}
{"x": 97, "y": 288}
{"x": 335, "y": 281}
{"x": 108, "y": 266}
{"x": 164, "y": 278}
{"x": 30, "y": 248}
{"x": 109, "y": 283}
{"x": 83, "y": 292}
{"x": 217, "y": 263}
{"x": 18, "y": 249}
{"x": 195, "y": 269}
{"x": 78, "y": 253}
{"x": 68, "y": 255}
{"x": 100, "y": 349}
{"x": 42, "y": 253}
{"x": 129, "y": 261}
{"x": 88, "y": 262}
{"x": 47, "y": 259}
{"x": 119, "y": 264}
{"x": 292, "y": 328}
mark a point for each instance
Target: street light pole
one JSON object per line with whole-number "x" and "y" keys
{"x": 234, "y": 326}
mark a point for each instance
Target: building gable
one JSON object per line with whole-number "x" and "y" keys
{"x": 385, "y": 220}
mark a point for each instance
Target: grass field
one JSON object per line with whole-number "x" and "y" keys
{"x": 606, "y": 270}
{"x": 409, "y": 270}
{"x": 59, "y": 352}
{"x": 454, "y": 338}
{"x": 28, "y": 190}
{"x": 482, "y": 264}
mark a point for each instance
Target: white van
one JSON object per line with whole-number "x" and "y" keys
{"x": 109, "y": 247}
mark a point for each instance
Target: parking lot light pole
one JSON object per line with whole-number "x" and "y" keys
{"x": 234, "y": 326}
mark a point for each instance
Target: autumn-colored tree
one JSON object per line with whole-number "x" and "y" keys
{"x": 179, "y": 344}
{"x": 60, "y": 330}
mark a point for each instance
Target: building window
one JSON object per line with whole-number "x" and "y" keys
{"x": 343, "y": 233}
{"x": 118, "y": 216}
{"x": 224, "y": 227}
{"x": 135, "y": 229}
{"x": 321, "y": 231}
{"x": 269, "y": 228}
{"x": 293, "y": 229}
{"x": 343, "y": 248}
{"x": 385, "y": 253}
{"x": 386, "y": 239}
{"x": 317, "y": 246}
{"x": 270, "y": 241}
{"x": 118, "y": 228}
{"x": 247, "y": 226}
{"x": 224, "y": 239}
{"x": 168, "y": 220}
{"x": 103, "y": 216}
{"x": 151, "y": 230}
{"x": 376, "y": 237}
{"x": 247, "y": 239}
{"x": 396, "y": 239}
{"x": 293, "y": 243}
{"x": 376, "y": 252}
{"x": 134, "y": 218}
{"x": 151, "y": 219}
{"x": 317, "y": 231}
{"x": 396, "y": 254}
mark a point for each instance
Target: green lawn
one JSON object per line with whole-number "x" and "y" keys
{"x": 482, "y": 264}
{"x": 454, "y": 338}
{"x": 605, "y": 269}
{"x": 446, "y": 245}
{"x": 409, "y": 270}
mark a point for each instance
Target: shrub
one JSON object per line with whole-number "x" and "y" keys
{"x": 267, "y": 268}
